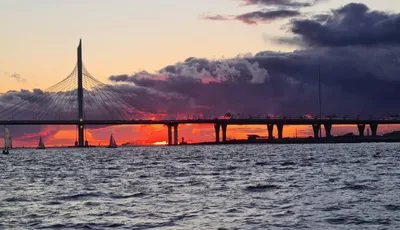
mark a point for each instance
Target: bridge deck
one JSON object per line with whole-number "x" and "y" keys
{"x": 203, "y": 121}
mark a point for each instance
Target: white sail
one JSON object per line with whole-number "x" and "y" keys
{"x": 7, "y": 139}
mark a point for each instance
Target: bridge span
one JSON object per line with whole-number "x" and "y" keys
{"x": 221, "y": 125}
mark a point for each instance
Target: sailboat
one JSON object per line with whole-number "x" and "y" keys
{"x": 41, "y": 144}
{"x": 7, "y": 140}
{"x": 112, "y": 144}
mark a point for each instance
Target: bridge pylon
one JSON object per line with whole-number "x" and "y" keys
{"x": 81, "y": 126}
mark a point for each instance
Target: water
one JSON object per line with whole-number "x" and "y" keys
{"x": 338, "y": 186}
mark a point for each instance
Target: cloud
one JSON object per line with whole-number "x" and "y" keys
{"x": 282, "y": 83}
{"x": 353, "y": 24}
{"x": 119, "y": 78}
{"x": 15, "y": 76}
{"x": 255, "y": 17}
{"x": 266, "y": 16}
{"x": 216, "y": 17}
{"x": 281, "y": 3}
{"x": 273, "y": 10}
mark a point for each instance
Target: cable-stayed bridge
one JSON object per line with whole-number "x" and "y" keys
{"x": 81, "y": 100}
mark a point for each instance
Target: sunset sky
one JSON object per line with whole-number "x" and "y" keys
{"x": 250, "y": 57}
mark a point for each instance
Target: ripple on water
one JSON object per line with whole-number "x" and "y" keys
{"x": 261, "y": 163}
{"x": 356, "y": 187}
{"x": 288, "y": 163}
{"x": 126, "y": 196}
{"x": 16, "y": 199}
{"x": 283, "y": 213}
{"x": 53, "y": 202}
{"x": 91, "y": 203}
{"x": 80, "y": 196}
{"x": 392, "y": 207}
{"x": 261, "y": 187}
{"x": 348, "y": 220}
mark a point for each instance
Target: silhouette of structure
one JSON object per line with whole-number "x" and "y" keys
{"x": 81, "y": 126}
{"x": 82, "y": 100}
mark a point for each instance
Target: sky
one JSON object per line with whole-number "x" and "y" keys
{"x": 138, "y": 39}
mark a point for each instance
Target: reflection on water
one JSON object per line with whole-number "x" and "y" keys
{"x": 203, "y": 187}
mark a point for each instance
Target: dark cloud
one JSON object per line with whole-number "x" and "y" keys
{"x": 272, "y": 10}
{"x": 353, "y": 24}
{"x": 119, "y": 78}
{"x": 282, "y": 83}
{"x": 284, "y": 3}
{"x": 266, "y": 16}
{"x": 256, "y": 17}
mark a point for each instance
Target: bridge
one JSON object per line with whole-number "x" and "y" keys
{"x": 82, "y": 100}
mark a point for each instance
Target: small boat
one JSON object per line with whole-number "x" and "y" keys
{"x": 183, "y": 142}
{"x": 7, "y": 140}
{"x": 112, "y": 144}
{"x": 41, "y": 144}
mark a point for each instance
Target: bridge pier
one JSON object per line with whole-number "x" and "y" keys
{"x": 173, "y": 141}
{"x": 217, "y": 128}
{"x": 328, "y": 130}
{"x": 280, "y": 131}
{"x": 81, "y": 135}
{"x": 374, "y": 129}
{"x": 224, "y": 127}
{"x": 176, "y": 134}
{"x": 169, "y": 134}
{"x": 361, "y": 129}
{"x": 270, "y": 131}
{"x": 316, "y": 129}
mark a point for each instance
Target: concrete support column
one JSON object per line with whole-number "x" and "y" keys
{"x": 224, "y": 127}
{"x": 361, "y": 128}
{"x": 217, "y": 128}
{"x": 169, "y": 134}
{"x": 176, "y": 134}
{"x": 81, "y": 134}
{"x": 270, "y": 131}
{"x": 328, "y": 130}
{"x": 280, "y": 131}
{"x": 316, "y": 129}
{"x": 374, "y": 129}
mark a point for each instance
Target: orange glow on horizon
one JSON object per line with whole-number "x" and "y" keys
{"x": 157, "y": 134}
{"x": 160, "y": 143}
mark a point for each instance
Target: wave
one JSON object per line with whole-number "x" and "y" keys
{"x": 17, "y": 199}
{"x": 288, "y": 163}
{"x": 79, "y": 196}
{"x": 126, "y": 196}
{"x": 347, "y": 220}
{"x": 356, "y": 187}
{"x": 392, "y": 207}
{"x": 261, "y": 188}
{"x": 82, "y": 226}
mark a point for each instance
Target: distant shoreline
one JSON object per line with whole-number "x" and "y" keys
{"x": 333, "y": 140}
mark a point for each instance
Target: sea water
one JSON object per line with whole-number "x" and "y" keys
{"x": 338, "y": 186}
